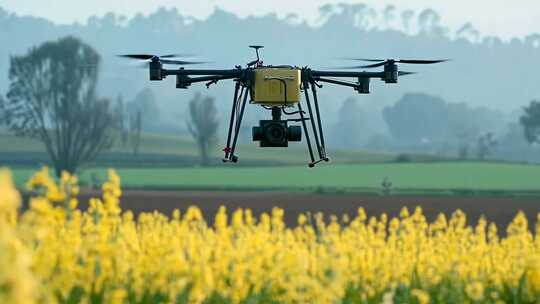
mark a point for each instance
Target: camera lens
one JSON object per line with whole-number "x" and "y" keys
{"x": 275, "y": 133}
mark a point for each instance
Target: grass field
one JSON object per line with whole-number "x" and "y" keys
{"x": 185, "y": 146}
{"x": 424, "y": 176}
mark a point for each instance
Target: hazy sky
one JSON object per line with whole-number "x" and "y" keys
{"x": 504, "y": 18}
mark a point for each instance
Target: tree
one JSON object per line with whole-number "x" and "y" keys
{"x": 135, "y": 127}
{"x": 145, "y": 103}
{"x": 351, "y": 124}
{"x": 203, "y": 123}
{"x": 417, "y": 117}
{"x": 52, "y": 97}
{"x": 1, "y": 116}
{"x": 530, "y": 120}
{"x": 120, "y": 112}
{"x": 486, "y": 142}
{"x": 406, "y": 18}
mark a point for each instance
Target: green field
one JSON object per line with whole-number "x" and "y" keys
{"x": 182, "y": 146}
{"x": 348, "y": 171}
{"x": 354, "y": 177}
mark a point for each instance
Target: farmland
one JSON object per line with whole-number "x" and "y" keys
{"x": 58, "y": 253}
{"x": 178, "y": 151}
{"x": 412, "y": 177}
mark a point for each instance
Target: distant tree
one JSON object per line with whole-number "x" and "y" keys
{"x": 350, "y": 125}
{"x": 52, "y": 97}
{"x": 203, "y": 123}
{"x": 530, "y": 120}
{"x": 463, "y": 151}
{"x": 468, "y": 32}
{"x": 123, "y": 128}
{"x": 406, "y": 18}
{"x": 418, "y": 117}
{"x": 429, "y": 22}
{"x": 486, "y": 143}
{"x": 389, "y": 15}
{"x": 533, "y": 40}
{"x": 135, "y": 128}
{"x": 145, "y": 103}
{"x": 2, "y": 119}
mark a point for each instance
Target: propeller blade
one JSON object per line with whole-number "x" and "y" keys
{"x": 416, "y": 61}
{"x": 347, "y": 67}
{"x": 375, "y": 65}
{"x": 150, "y": 56}
{"x": 403, "y": 73}
{"x": 364, "y": 59}
{"x": 138, "y": 56}
{"x": 180, "y": 62}
{"x": 176, "y": 55}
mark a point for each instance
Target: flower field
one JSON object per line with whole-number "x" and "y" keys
{"x": 54, "y": 252}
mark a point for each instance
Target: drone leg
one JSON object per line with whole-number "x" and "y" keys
{"x": 319, "y": 123}
{"x": 303, "y": 119}
{"x": 227, "y": 149}
{"x": 312, "y": 121}
{"x": 233, "y": 157}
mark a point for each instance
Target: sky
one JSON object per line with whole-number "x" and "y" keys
{"x": 503, "y": 18}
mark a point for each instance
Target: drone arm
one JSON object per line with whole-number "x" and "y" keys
{"x": 211, "y": 78}
{"x": 338, "y": 82}
{"x": 185, "y": 72}
{"x": 353, "y": 74}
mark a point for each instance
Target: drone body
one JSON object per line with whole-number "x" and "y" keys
{"x": 278, "y": 89}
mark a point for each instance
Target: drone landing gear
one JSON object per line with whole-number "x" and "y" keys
{"x": 241, "y": 93}
{"x": 316, "y": 127}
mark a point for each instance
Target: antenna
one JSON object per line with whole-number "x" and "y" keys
{"x": 257, "y": 47}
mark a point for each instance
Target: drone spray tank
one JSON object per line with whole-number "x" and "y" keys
{"x": 275, "y": 88}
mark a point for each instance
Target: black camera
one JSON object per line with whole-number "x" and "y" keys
{"x": 276, "y": 133}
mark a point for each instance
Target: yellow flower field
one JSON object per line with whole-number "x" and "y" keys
{"x": 54, "y": 252}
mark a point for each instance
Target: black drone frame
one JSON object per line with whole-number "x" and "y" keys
{"x": 310, "y": 81}
{"x": 243, "y": 78}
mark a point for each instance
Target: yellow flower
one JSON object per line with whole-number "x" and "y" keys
{"x": 475, "y": 291}
{"x": 421, "y": 296}
{"x": 53, "y": 250}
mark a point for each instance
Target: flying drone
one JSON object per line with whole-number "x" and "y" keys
{"x": 278, "y": 89}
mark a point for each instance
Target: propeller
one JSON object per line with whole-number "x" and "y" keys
{"x": 147, "y": 57}
{"x": 403, "y": 73}
{"x": 383, "y": 62}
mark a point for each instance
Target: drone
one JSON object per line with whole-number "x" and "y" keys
{"x": 277, "y": 88}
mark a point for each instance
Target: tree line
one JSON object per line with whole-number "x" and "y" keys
{"x": 423, "y": 120}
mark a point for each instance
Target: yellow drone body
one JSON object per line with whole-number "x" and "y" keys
{"x": 274, "y": 86}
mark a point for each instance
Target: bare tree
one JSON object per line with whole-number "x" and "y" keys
{"x": 52, "y": 97}
{"x": 203, "y": 123}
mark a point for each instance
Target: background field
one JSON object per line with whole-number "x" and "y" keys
{"x": 444, "y": 178}
{"x": 180, "y": 151}
{"x": 171, "y": 162}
